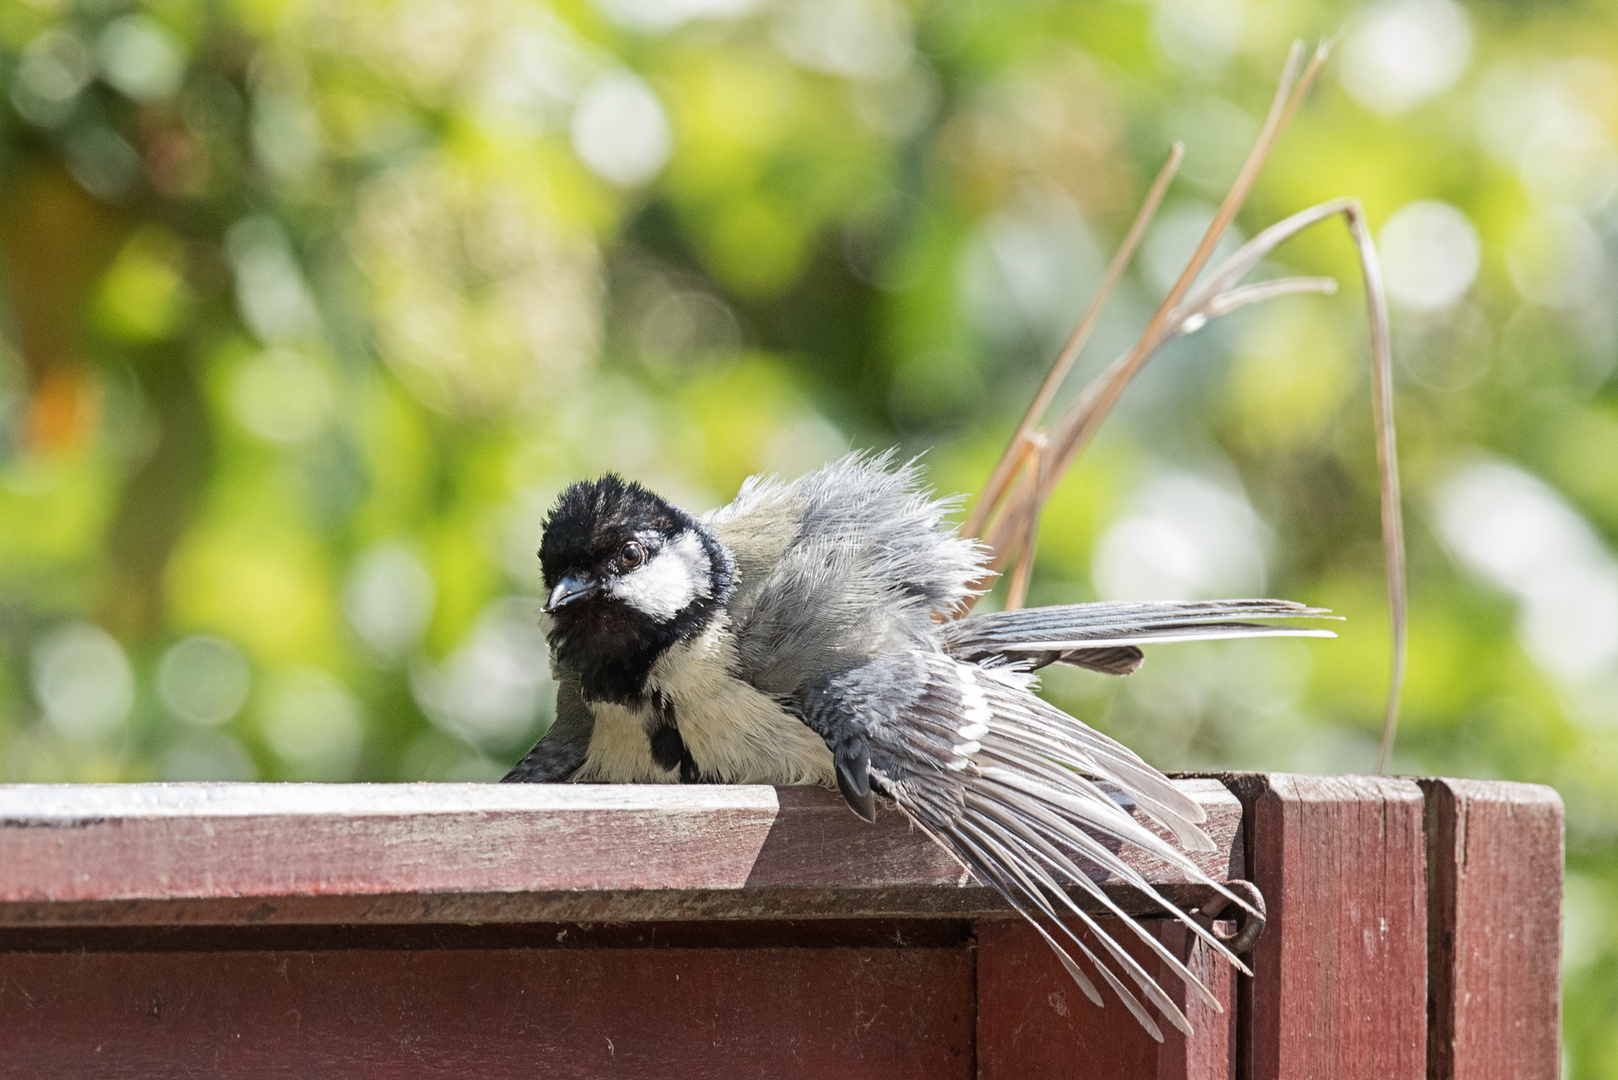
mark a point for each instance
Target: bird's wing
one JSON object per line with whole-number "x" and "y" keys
{"x": 561, "y": 751}
{"x": 1106, "y": 636}
{"x": 1012, "y": 787}
{"x": 836, "y": 565}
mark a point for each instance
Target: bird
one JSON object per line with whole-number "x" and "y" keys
{"x": 807, "y": 633}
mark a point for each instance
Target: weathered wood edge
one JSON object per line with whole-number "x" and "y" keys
{"x": 245, "y": 854}
{"x": 1337, "y": 858}
{"x": 1494, "y": 869}
{"x": 970, "y": 902}
{"x": 1493, "y": 854}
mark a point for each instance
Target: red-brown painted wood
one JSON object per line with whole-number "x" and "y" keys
{"x": 161, "y": 854}
{"x": 309, "y": 930}
{"x": 889, "y": 1014}
{"x": 124, "y": 842}
{"x": 1494, "y": 945}
{"x": 1034, "y": 1022}
{"x": 307, "y": 937}
{"x": 1210, "y": 1054}
{"x": 1340, "y": 986}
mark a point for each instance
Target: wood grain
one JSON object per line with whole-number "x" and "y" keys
{"x": 1210, "y": 1053}
{"x": 392, "y": 930}
{"x": 1033, "y": 1021}
{"x": 1340, "y": 988}
{"x": 435, "y": 853}
{"x": 656, "y": 1013}
{"x": 1494, "y": 945}
{"x": 137, "y": 841}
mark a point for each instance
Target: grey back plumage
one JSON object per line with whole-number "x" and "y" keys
{"x": 838, "y": 566}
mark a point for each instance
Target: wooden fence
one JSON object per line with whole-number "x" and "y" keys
{"x": 247, "y": 930}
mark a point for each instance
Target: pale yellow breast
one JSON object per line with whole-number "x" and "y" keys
{"x": 734, "y": 732}
{"x": 620, "y": 750}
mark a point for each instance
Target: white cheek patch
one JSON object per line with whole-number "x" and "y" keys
{"x": 669, "y": 581}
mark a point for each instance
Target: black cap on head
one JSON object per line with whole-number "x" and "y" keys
{"x": 592, "y": 519}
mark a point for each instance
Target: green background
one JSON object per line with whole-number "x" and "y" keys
{"x": 310, "y": 309}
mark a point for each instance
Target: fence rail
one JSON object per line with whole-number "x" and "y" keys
{"x": 385, "y": 930}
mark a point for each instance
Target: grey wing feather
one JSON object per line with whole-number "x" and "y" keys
{"x": 836, "y": 566}
{"x": 1105, "y": 636}
{"x": 860, "y": 712}
{"x": 561, "y": 751}
{"x": 1014, "y": 787}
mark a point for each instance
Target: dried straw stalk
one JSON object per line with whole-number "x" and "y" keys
{"x": 1006, "y": 516}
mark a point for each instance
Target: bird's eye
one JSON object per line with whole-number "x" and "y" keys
{"x": 632, "y": 555}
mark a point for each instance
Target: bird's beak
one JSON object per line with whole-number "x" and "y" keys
{"x": 569, "y": 589}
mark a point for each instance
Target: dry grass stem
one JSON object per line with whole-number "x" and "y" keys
{"x": 1033, "y": 472}
{"x": 1083, "y": 418}
{"x": 1006, "y": 516}
{"x": 1387, "y": 463}
{"x": 1014, "y": 454}
{"x": 1257, "y": 293}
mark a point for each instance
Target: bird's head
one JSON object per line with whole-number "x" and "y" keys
{"x": 627, "y": 574}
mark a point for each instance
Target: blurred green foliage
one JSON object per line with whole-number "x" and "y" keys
{"x": 310, "y": 309}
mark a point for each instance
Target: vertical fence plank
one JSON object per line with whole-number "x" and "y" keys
{"x": 1210, "y": 1054}
{"x": 1494, "y": 945}
{"x": 1340, "y": 987}
{"x": 1034, "y": 1023}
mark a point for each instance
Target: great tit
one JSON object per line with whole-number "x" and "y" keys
{"x": 803, "y": 634}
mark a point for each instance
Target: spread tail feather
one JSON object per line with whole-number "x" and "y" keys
{"x": 1106, "y": 636}
{"x": 1014, "y": 788}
